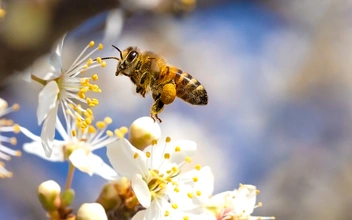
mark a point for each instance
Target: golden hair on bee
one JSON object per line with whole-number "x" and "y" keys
{"x": 150, "y": 72}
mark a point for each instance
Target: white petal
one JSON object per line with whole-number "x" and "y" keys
{"x": 101, "y": 168}
{"x": 59, "y": 45}
{"x": 48, "y": 131}
{"x": 81, "y": 160}
{"x": 47, "y": 67}
{"x": 36, "y": 148}
{"x": 156, "y": 210}
{"x": 47, "y": 100}
{"x": 139, "y": 215}
{"x": 245, "y": 199}
{"x": 140, "y": 188}
{"x": 188, "y": 149}
{"x": 121, "y": 156}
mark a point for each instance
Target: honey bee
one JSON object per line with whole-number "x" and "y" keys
{"x": 150, "y": 72}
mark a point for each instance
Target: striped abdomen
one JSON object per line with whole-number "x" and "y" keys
{"x": 189, "y": 89}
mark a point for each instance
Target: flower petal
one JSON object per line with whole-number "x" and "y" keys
{"x": 139, "y": 215}
{"x": 123, "y": 157}
{"x": 36, "y": 148}
{"x": 47, "y": 100}
{"x": 48, "y": 131}
{"x": 187, "y": 149}
{"x": 101, "y": 168}
{"x": 140, "y": 188}
{"x": 80, "y": 159}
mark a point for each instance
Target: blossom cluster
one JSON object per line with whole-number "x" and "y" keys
{"x": 148, "y": 181}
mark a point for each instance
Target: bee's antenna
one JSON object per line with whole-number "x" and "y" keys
{"x": 108, "y": 58}
{"x": 118, "y": 50}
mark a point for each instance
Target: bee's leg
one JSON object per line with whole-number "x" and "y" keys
{"x": 156, "y": 108}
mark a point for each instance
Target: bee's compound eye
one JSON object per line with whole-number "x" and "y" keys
{"x": 131, "y": 56}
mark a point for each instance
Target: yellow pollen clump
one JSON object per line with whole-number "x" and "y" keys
{"x": 174, "y": 206}
{"x": 257, "y": 191}
{"x": 85, "y": 67}
{"x": 186, "y": 218}
{"x": 188, "y": 159}
{"x": 103, "y": 64}
{"x": 199, "y": 193}
{"x": 198, "y": 167}
{"x": 91, "y": 44}
{"x": 74, "y": 133}
{"x": 95, "y": 77}
{"x": 16, "y": 107}
{"x": 100, "y": 124}
{"x": 190, "y": 195}
{"x": 100, "y": 46}
{"x": 135, "y": 155}
{"x": 18, "y": 153}
{"x": 90, "y": 61}
{"x": 16, "y": 128}
{"x": 147, "y": 154}
{"x": 167, "y": 213}
{"x": 195, "y": 179}
{"x": 124, "y": 129}
{"x": 13, "y": 141}
{"x": 107, "y": 120}
{"x": 177, "y": 149}
{"x": 169, "y": 179}
{"x": 154, "y": 142}
{"x": 99, "y": 59}
{"x": 167, "y": 156}
{"x": 260, "y": 204}
{"x": 168, "y": 139}
{"x": 175, "y": 169}
{"x": 88, "y": 121}
{"x": 176, "y": 189}
{"x": 89, "y": 111}
{"x": 109, "y": 133}
{"x": 91, "y": 129}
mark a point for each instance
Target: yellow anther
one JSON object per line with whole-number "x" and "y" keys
{"x": 103, "y": 64}
{"x": 167, "y": 213}
{"x": 74, "y": 133}
{"x": 18, "y": 153}
{"x": 168, "y": 139}
{"x": 188, "y": 159}
{"x": 174, "y": 206}
{"x": 100, "y": 124}
{"x": 135, "y": 155}
{"x": 91, "y": 129}
{"x": 88, "y": 121}
{"x": 118, "y": 133}
{"x": 186, "y": 218}
{"x": 199, "y": 193}
{"x": 95, "y": 77}
{"x": 195, "y": 179}
{"x": 257, "y": 191}
{"x": 90, "y": 61}
{"x": 81, "y": 95}
{"x": 124, "y": 130}
{"x": 190, "y": 195}
{"x": 198, "y": 167}
{"x": 109, "y": 133}
{"x": 16, "y": 128}
{"x": 95, "y": 101}
{"x": 13, "y": 141}
{"x": 16, "y": 107}
{"x": 99, "y": 59}
{"x": 177, "y": 149}
{"x": 91, "y": 44}
{"x": 169, "y": 179}
{"x": 175, "y": 169}
{"x": 85, "y": 67}
{"x": 107, "y": 120}
{"x": 176, "y": 189}
{"x": 167, "y": 156}
{"x": 101, "y": 46}
{"x": 147, "y": 154}
{"x": 260, "y": 204}
{"x": 89, "y": 111}
{"x": 154, "y": 142}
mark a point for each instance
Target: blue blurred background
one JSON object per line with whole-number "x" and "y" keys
{"x": 278, "y": 80}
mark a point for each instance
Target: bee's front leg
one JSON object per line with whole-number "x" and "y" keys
{"x": 157, "y": 107}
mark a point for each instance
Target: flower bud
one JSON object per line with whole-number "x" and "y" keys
{"x": 109, "y": 197}
{"x": 91, "y": 211}
{"x": 49, "y": 195}
{"x": 3, "y": 104}
{"x": 143, "y": 131}
{"x": 67, "y": 197}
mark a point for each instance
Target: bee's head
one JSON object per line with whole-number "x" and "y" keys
{"x": 128, "y": 60}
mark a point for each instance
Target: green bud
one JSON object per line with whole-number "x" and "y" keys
{"x": 91, "y": 211}
{"x": 67, "y": 197}
{"x": 109, "y": 196}
{"x": 49, "y": 195}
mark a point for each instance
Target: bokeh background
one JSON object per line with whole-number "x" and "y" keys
{"x": 279, "y": 114}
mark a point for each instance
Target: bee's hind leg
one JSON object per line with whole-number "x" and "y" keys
{"x": 156, "y": 108}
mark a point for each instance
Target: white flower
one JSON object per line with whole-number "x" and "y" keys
{"x": 238, "y": 204}
{"x": 157, "y": 180}
{"x": 80, "y": 139}
{"x": 7, "y": 126}
{"x": 62, "y": 86}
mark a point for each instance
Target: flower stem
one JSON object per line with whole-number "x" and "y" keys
{"x": 71, "y": 169}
